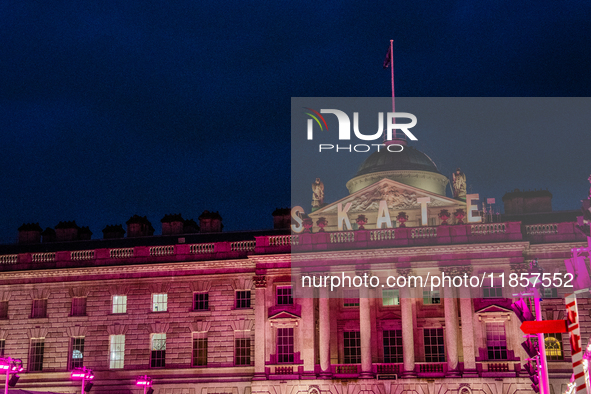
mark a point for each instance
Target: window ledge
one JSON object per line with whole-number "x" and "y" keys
{"x": 200, "y": 313}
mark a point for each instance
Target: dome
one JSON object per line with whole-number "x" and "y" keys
{"x": 408, "y": 159}
{"x": 410, "y": 167}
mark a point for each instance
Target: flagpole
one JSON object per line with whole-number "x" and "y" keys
{"x": 392, "y": 67}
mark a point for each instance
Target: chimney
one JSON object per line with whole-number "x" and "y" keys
{"x": 190, "y": 227}
{"x": 138, "y": 226}
{"x": 172, "y": 224}
{"x": 48, "y": 235}
{"x": 210, "y": 222}
{"x": 84, "y": 234}
{"x": 519, "y": 202}
{"x": 281, "y": 218}
{"x": 29, "y": 233}
{"x": 66, "y": 231}
{"x": 113, "y": 231}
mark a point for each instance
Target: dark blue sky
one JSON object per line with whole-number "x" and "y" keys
{"x": 109, "y": 109}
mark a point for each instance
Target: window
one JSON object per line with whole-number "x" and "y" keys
{"x": 78, "y": 306}
{"x": 496, "y": 341}
{"x": 549, "y": 292}
{"x": 352, "y": 347}
{"x": 200, "y": 301}
{"x": 36, "y": 355}
{"x": 116, "y": 351}
{"x": 492, "y": 292}
{"x": 157, "y": 360}
{"x": 159, "y": 302}
{"x": 553, "y": 344}
{"x": 284, "y": 295}
{"x": 285, "y": 345}
{"x": 120, "y": 304}
{"x": 243, "y": 299}
{"x": 3, "y": 309}
{"x": 350, "y": 297}
{"x": 390, "y": 297}
{"x": 392, "y": 346}
{"x": 39, "y": 309}
{"x": 434, "y": 347}
{"x": 431, "y": 297}
{"x": 242, "y": 349}
{"x": 77, "y": 355}
{"x": 2, "y": 347}
{"x": 199, "y": 349}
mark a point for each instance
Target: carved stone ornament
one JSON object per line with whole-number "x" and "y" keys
{"x": 519, "y": 268}
{"x": 458, "y": 270}
{"x": 259, "y": 281}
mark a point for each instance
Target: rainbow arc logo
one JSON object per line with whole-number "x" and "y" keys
{"x": 316, "y": 118}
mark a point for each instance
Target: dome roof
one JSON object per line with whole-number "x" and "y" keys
{"x": 408, "y": 159}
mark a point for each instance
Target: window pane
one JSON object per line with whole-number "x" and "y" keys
{"x": 392, "y": 346}
{"x": 77, "y": 356}
{"x": 243, "y": 299}
{"x": 199, "y": 350}
{"x": 2, "y": 347}
{"x": 201, "y": 302}
{"x": 159, "y": 302}
{"x": 242, "y": 349}
{"x": 390, "y": 297}
{"x": 39, "y": 308}
{"x": 117, "y": 351}
{"x": 36, "y": 355}
{"x": 350, "y": 297}
{"x": 4, "y": 310}
{"x": 284, "y": 295}
{"x": 120, "y": 304}
{"x": 352, "y": 347}
{"x": 79, "y": 306}
{"x": 434, "y": 348}
{"x": 431, "y": 297}
{"x": 496, "y": 341}
{"x": 285, "y": 345}
{"x": 553, "y": 344}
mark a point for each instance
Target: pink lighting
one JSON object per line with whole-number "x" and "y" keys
{"x": 84, "y": 374}
{"x": 144, "y": 381}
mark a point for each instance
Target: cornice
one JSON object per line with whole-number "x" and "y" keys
{"x": 127, "y": 269}
{"x": 413, "y": 251}
{"x": 270, "y": 258}
{"x": 556, "y": 247}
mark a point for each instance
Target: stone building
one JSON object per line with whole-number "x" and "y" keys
{"x": 203, "y": 311}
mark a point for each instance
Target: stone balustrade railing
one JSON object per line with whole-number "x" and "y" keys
{"x": 80, "y": 255}
{"x": 166, "y": 250}
{"x": 43, "y": 257}
{"x": 243, "y": 246}
{"x": 9, "y": 259}
{"x": 121, "y": 253}
{"x": 488, "y": 228}
{"x": 535, "y": 229}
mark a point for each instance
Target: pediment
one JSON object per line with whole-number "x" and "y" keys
{"x": 283, "y": 315}
{"x": 493, "y": 308}
{"x": 398, "y": 196}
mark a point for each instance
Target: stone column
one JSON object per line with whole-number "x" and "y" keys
{"x": 307, "y": 335}
{"x": 260, "y": 343}
{"x": 324, "y": 332}
{"x": 467, "y": 314}
{"x": 365, "y": 333}
{"x": 451, "y": 331}
{"x": 408, "y": 343}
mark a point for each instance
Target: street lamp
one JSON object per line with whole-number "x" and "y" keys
{"x": 86, "y": 375}
{"x": 11, "y": 366}
{"x": 146, "y": 383}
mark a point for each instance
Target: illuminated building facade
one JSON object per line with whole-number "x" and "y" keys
{"x": 203, "y": 311}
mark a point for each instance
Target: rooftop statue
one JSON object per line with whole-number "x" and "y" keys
{"x": 459, "y": 184}
{"x": 317, "y": 194}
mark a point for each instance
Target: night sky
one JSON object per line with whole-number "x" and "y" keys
{"x": 110, "y": 109}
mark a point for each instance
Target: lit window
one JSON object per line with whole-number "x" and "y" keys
{"x": 352, "y": 347}
{"x": 77, "y": 355}
{"x": 549, "y": 292}
{"x": 390, "y": 297}
{"x": 36, "y": 355}
{"x": 117, "y": 351}
{"x": 78, "y": 306}
{"x": 434, "y": 347}
{"x": 553, "y": 344}
{"x": 120, "y": 304}
{"x": 199, "y": 349}
{"x": 157, "y": 360}
{"x": 350, "y": 297}
{"x": 285, "y": 345}
{"x": 2, "y": 347}
{"x": 392, "y": 346}
{"x": 242, "y": 351}
{"x": 39, "y": 309}
{"x": 496, "y": 341}
{"x": 284, "y": 295}
{"x": 159, "y": 302}
{"x": 492, "y": 292}
{"x": 243, "y": 299}
{"x": 3, "y": 309}
{"x": 431, "y": 297}
{"x": 200, "y": 301}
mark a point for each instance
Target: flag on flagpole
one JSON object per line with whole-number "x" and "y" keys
{"x": 388, "y": 59}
